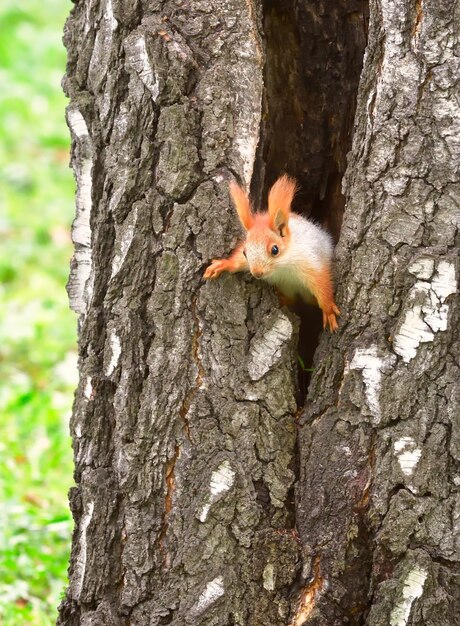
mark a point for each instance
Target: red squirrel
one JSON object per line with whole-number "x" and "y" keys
{"x": 283, "y": 248}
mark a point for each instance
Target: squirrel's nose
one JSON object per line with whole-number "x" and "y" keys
{"x": 257, "y": 273}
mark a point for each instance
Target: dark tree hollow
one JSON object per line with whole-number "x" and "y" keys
{"x": 314, "y": 56}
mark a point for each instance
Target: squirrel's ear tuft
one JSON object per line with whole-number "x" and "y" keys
{"x": 242, "y": 205}
{"x": 280, "y": 199}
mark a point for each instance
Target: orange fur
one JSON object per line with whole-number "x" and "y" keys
{"x": 235, "y": 263}
{"x": 242, "y": 205}
{"x": 320, "y": 285}
{"x": 280, "y": 198}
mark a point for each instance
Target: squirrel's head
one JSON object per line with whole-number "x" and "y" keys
{"x": 267, "y": 234}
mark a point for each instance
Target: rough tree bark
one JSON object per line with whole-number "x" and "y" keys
{"x": 378, "y": 496}
{"x": 185, "y": 419}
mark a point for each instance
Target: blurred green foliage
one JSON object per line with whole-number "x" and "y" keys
{"x": 37, "y": 330}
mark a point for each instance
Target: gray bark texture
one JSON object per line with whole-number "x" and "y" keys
{"x": 378, "y": 509}
{"x": 186, "y": 418}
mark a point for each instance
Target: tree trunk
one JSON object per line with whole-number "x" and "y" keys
{"x": 184, "y": 424}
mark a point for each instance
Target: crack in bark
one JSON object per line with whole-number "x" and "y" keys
{"x": 309, "y": 595}
{"x": 170, "y": 488}
{"x": 418, "y": 17}
{"x": 190, "y": 395}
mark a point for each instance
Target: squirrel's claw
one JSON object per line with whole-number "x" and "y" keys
{"x": 215, "y": 269}
{"x": 329, "y": 319}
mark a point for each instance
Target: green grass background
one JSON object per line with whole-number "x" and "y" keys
{"x": 37, "y": 330}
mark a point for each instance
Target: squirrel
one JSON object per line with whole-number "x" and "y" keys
{"x": 287, "y": 250}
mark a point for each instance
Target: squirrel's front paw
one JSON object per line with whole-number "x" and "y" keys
{"x": 215, "y": 269}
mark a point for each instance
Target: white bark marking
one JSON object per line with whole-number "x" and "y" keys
{"x": 269, "y": 577}
{"x": 81, "y": 231}
{"x": 139, "y": 59}
{"x": 77, "y": 123}
{"x": 372, "y": 366}
{"x": 247, "y": 146}
{"x": 412, "y": 333}
{"x": 444, "y": 282}
{"x": 203, "y": 516}
{"x": 214, "y": 590}
{"x": 109, "y": 16}
{"x": 115, "y": 349}
{"x": 87, "y": 17}
{"x": 428, "y": 314}
{"x": 81, "y": 559}
{"x": 422, "y": 268}
{"x": 88, "y": 388}
{"x": 408, "y": 454}
{"x": 79, "y": 294}
{"x": 103, "y": 43}
{"x": 248, "y": 106}
{"x": 123, "y": 240}
{"x": 222, "y": 480}
{"x": 412, "y": 589}
{"x": 265, "y": 350}
{"x": 78, "y": 431}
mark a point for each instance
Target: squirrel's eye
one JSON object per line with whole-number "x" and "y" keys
{"x": 275, "y": 250}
